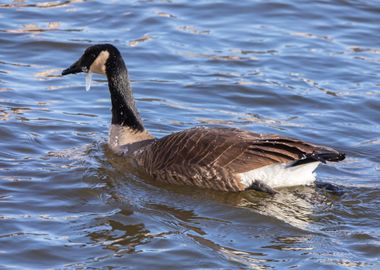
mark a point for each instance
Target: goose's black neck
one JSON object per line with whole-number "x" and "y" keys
{"x": 124, "y": 111}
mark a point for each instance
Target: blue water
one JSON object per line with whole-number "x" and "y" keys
{"x": 306, "y": 69}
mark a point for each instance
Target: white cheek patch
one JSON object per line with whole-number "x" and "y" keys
{"x": 99, "y": 64}
{"x": 88, "y": 80}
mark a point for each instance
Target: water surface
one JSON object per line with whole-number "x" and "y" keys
{"x": 307, "y": 69}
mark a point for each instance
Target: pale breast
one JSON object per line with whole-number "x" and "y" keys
{"x": 120, "y": 138}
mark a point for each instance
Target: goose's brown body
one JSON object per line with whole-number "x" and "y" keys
{"x": 215, "y": 157}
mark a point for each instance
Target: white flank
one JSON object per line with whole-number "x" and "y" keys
{"x": 281, "y": 175}
{"x": 88, "y": 80}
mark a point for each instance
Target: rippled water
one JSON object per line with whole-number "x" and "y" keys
{"x": 307, "y": 69}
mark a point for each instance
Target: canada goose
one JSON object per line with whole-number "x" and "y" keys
{"x": 226, "y": 159}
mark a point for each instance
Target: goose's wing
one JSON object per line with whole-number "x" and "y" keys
{"x": 253, "y": 151}
{"x": 227, "y": 151}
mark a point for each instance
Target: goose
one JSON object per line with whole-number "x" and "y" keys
{"x": 224, "y": 159}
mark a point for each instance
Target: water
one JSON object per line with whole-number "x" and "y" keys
{"x": 307, "y": 69}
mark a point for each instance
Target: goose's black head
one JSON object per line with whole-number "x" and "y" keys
{"x": 95, "y": 59}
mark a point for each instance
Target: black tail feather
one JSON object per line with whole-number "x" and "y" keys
{"x": 321, "y": 157}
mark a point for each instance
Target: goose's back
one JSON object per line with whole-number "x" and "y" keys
{"x": 216, "y": 157}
